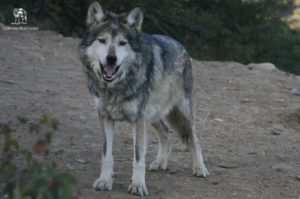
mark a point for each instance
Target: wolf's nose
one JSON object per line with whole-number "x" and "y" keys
{"x": 111, "y": 59}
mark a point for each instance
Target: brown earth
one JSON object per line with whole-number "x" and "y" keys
{"x": 237, "y": 109}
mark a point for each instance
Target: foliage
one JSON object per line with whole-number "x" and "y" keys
{"x": 31, "y": 177}
{"x": 244, "y": 31}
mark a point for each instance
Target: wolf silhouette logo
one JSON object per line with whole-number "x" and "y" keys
{"x": 20, "y": 15}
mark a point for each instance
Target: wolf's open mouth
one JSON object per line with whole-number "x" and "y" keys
{"x": 109, "y": 72}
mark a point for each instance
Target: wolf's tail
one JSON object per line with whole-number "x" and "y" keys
{"x": 182, "y": 119}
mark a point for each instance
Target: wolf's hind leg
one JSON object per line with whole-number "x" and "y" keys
{"x": 182, "y": 118}
{"x": 199, "y": 168}
{"x": 164, "y": 148}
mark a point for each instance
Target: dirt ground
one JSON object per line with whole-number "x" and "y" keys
{"x": 237, "y": 110}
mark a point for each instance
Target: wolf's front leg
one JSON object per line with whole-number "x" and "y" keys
{"x": 138, "y": 185}
{"x": 105, "y": 181}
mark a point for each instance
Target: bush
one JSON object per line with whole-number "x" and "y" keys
{"x": 32, "y": 177}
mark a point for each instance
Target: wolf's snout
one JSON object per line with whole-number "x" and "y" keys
{"x": 111, "y": 59}
{"x": 110, "y": 69}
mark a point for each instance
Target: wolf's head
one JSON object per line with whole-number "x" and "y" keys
{"x": 111, "y": 43}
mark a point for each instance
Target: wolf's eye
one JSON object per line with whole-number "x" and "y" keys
{"x": 102, "y": 41}
{"x": 122, "y": 43}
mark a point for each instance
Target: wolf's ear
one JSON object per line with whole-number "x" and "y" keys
{"x": 95, "y": 14}
{"x": 135, "y": 19}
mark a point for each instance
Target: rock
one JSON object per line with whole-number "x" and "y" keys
{"x": 263, "y": 66}
{"x": 71, "y": 168}
{"x": 215, "y": 183}
{"x": 245, "y": 100}
{"x": 227, "y": 166}
{"x": 298, "y": 178}
{"x": 268, "y": 120}
{"x": 280, "y": 167}
{"x": 276, "y": 131}
{"x": 218, "y": 120}
{"x": 295, "y": 91}
{"x": 280, "y": 100}
{"x": 82, "y": 161}
{"x": 59, "y": 151}
{"x": 172, "y": 171}
{"x": 252, "y": 153}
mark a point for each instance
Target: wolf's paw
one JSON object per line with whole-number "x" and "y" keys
{"x": 157, "y": 165}
{"x": 102, "y": 184}
{"x": 200, "y": 172}
{"x": 139, "y": 189}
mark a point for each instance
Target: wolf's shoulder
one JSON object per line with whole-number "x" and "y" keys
{"x": 161, "y": 40}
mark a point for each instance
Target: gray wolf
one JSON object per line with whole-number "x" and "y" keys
{"x": 142, "y": 79}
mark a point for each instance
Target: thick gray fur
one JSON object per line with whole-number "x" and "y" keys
{"x": 153, "y": 85}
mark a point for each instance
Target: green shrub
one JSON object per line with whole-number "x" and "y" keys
{"x": 31, "y": 177}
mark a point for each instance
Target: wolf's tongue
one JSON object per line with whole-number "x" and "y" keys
{"x": 109, "y": 71}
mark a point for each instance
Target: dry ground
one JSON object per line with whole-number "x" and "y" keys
{"x": 237, "y": 109}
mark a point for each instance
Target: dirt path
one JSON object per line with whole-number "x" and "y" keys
{"x": 237, "y": 109}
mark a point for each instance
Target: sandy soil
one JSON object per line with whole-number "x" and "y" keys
{"x": 237, "y": 109}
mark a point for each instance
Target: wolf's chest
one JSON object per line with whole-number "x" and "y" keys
{"x": 158, "y": 104}
{"x": 117, "y": 110}
{"x": 114, "y": 111}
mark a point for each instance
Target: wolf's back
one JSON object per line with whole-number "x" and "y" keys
{"x": 176, "y": 58}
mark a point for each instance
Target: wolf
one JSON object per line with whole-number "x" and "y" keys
{"x": 142, "y": 79}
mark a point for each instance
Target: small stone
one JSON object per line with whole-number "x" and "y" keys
{"x": 268, "y": 120}
{"x": 262, "y": 66}
{"x": 173, "y": 171}
{"x": 280, "y": 167}
{"x": 71, "y": 168}
{"x": 298, "y": 178}
{"x": 295, "y": 91}
{"x": 82, "y": 161}
{"x": 227, "y": 166}
{"x": 276, "y": 131}
{"x": 59, "y": 151}
{"x": 280, "y": 100}
{"x": 218, "y": 120}
{"x": 245, "y": 100}
{"x": 215, "y": 183}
